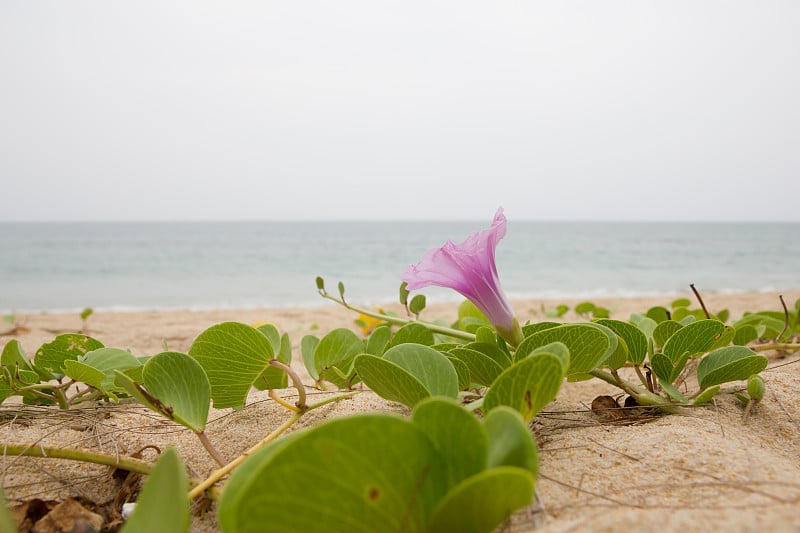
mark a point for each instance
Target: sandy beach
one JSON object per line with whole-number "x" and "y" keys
{"x": 704, "y": 470}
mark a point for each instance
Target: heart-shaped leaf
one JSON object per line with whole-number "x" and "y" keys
{"x": 733, "y": 363}
{"x": 181, "y": 385}
{"x": 527, "y": 385}
{"x": 233, "y": 355}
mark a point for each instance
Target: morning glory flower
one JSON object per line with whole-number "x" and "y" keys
{"x": 469, "y": 268}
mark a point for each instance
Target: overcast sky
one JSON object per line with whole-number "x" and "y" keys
{"x": 287, "y": 110}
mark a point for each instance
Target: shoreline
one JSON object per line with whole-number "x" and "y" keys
{"x": 144, "y": 332}
{"x": 439, "y": 297}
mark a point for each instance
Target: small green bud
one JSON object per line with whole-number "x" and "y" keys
{"x": 320, "y": 283}
{"x": 341, "y": 290}
{"x": 404, "y": 293}
{"x": 756, "y": 387}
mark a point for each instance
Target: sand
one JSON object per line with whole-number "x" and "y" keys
{"x": 703, "y": 470}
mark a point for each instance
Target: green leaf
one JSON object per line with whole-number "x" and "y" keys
{"x": 163, "y": 504}
{"x": 462, "y": 371}
{"x": 69, "y": 346}
{"x": 725, "y": 338}
{"x": 335, "y": 352}
{"x": 7, "y": 523}
{"x": 14, "y": 358}
{"x": 86, "y": 374}
{"x": 408, "y": 374}
{"x": 723, "y": 315}
{"x": 450, "y": 427}
{"x": 664, "y": 330}
{"x": 308, "y": 345}
{"x": 527, "y": 385}
{"x": 467, "y": 309}
{"x": 530, "y": 329}
{"x": 426, "y": 364}
{"x": 635, "y": 339}
{"x": 105, "y": 361}
{"x": 588, "y": 345}
{"x": 357, "y": 474}
{"x": 273, "y": 377}
{"x": 706, "y": 396}
{"x": 341, "y": 290}
{"x": 745, "y": 333}
{"x": 233, "y": 355}
{"x": 379, "y": 340}
{"x": 486, "y": 335}
{"x": 645, "y": 324}
{"x": 413, "y": 334}
{"x": 681, "y": 302}
{"x": 584, "y": 308}
{"x": 658, "y": 314}
{"x": 391, "y": 381}
{"x": 482, "y": 368}
{"x": 510, "y": 440}
{"x": 484, "y": 501}
{"x": 693, "y": 339}
{"x": 320, "y": 283}
{"x": 417, "y": 304}
{"x": 86, "y": 313}
{"x": 662, "y": 367}
{"x": 672, "y": 391}
{"x": 600, "y": 312}
{"x": 733, "y": 363}
{"x": 491, "y": 350}
{"x": 181, "y": 385}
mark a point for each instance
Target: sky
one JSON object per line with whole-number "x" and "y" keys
{"x": 389, "y": 110}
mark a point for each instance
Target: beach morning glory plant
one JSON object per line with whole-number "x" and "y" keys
{"x": 469, "y": 269}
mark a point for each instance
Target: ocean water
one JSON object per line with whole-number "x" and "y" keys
{"x": 69, "y": 266}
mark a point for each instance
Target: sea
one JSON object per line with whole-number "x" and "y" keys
{"x": 216, "y": 265}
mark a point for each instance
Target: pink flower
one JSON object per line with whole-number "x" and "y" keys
{"x": 469, "y": 268}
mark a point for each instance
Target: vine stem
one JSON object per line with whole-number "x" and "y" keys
{"x": 212, "y": 451}
{"x": 402, "y": 321}
{"x": 228, "y": 468}
{"x": 775, "y": 346}
{"x": 74, "y": 454}
{"x": 301, "y": 390}
{"x": 642, "y": 397}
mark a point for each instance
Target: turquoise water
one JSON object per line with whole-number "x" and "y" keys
{"x": 68, "y": 266}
